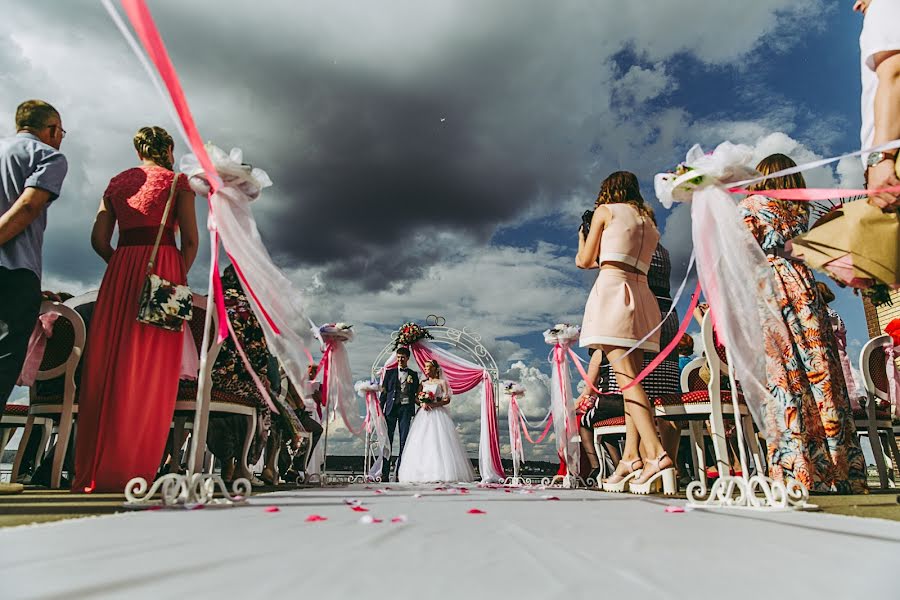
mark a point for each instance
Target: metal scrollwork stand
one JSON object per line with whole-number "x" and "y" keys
{"x": 760, "y": 492}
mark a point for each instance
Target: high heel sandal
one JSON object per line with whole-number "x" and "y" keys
{"x": 616, "y": 483}
{"x": 655, "y": 475}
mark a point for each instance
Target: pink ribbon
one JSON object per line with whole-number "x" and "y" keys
{"x": 685, "y": 322}
{"x": 893, "y": 380}
{"x": 37, "y": 344}
{"x": 813, "y": 194}
{"x": 543, "y": 433}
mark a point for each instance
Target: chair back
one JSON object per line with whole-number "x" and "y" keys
{"x": 66, "y": 345}
{"x": 873, "y": 365}
{"x": 85, "y": 298}
{"x": 690, "y": 376}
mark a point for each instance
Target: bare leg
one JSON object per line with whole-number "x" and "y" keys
{"x": 640, "y": 428}
{"x": 593, "y": 372}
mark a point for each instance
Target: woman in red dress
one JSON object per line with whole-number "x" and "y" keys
{"x": 131, "y": 369}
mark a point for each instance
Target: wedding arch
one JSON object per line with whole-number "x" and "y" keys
{"x": 466, "y": 363}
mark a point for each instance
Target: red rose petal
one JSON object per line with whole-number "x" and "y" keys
{"x": 674, "y": 509}
{"x": 272, "y": 509}
{"x": 476, "y": 511}
{"x": 551, "y": 497}
{"x": 315, "y": 518}
{"x": 359, "y": 509}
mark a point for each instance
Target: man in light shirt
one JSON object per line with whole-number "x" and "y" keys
{"x": 32, "y": 171}
{"x": 879, "y": 45}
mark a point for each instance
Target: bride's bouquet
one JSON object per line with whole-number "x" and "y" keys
{"x": 426, "y": 397}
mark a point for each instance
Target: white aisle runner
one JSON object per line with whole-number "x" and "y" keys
{"x": 525, "y": 546}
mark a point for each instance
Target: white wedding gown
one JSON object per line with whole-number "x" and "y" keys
{"x": 433, "y": 451}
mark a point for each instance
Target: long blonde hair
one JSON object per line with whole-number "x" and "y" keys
{"x": 622, "y": 187}
{"x": 153, "y": 143}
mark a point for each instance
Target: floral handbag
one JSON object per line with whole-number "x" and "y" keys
{"x": 164, "y": 304}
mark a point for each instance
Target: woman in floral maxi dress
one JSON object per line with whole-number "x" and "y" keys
{"x": 815, "y": 440}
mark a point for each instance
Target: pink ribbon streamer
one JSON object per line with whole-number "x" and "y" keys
{"x": 325, "y": 367}
{"x": 813, "y": 194}
{"x": 543, "y": 434}
{"x": 37, "y": 344}
{"x": 893, "y": 379}
{"x": 685, "y": 322}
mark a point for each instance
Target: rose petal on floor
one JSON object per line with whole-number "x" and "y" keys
{"x": 315, "y": 518}
{"x": 476, "y": 511}
{"x": 674, "y": 509}
{"x": 359, "y": 509}
{"x": 272, "y": 509}
{"x": 550, "y": 497}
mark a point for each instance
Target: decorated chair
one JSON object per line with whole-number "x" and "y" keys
{"x": 221, "y": 401}
{"x": 874, "y": 419}
{"x": 61, "y": 357}
{"x": 701, "y": 401}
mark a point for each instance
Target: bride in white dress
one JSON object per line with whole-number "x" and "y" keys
{"x": 433, "y": 451}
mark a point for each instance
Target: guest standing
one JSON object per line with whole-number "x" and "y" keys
{"x": 840, "y": 338}
{"x": 815, "y": 440}
{"x": 131, "y": 369}
{"x": 32, "y": 170}
{"x": 879, "y": 45}
{"x": 227, "y": 432}
{"x": 620, "y": 312}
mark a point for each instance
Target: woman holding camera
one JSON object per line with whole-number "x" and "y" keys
{"x": 621, "y": 311}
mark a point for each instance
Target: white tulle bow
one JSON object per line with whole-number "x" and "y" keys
{"x": 728, "y": 163}
{"x": 230, "y": 167}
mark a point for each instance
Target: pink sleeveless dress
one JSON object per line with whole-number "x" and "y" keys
{"x": 621, "y": 310}
{"x": 130, "y": 371}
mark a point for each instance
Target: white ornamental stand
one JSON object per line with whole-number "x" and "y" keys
{"x": 757, "y": 493}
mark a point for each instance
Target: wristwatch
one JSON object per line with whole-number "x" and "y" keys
{"x": 876, "y": 157}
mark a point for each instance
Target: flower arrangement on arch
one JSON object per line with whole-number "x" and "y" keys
{"x": 410, "y": 333}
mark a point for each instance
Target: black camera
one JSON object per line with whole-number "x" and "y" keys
{"x": 586, "y": 219}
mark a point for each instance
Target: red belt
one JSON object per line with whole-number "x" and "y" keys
{"x": 146, "y": 236}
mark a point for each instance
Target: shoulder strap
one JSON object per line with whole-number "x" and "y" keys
{"x": 162, "y": 225}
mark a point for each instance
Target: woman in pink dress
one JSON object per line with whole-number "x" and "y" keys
{"x": 131, "y": 369}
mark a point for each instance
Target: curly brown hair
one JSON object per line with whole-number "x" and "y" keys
{"x": 622, "y": 187}
{"x": 153, "y": 143}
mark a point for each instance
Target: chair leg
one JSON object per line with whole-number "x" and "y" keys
{"x": 878, "y": 451}
{"x": 720, "y": 444}
{"x": 62, "y": 444}
{"x": 895, "y": 452}
{"x": 46, "y": 434}
{"x": 698, "y": 452}
{"x": 23, "y": 444}
{"x": 251, "y": 431}
{"x": 177, "y": 443}
{"x": 753, "y": 443}
{"x": 6, "y": 434}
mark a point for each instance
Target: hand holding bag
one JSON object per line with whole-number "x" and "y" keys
{"x": 162, "y": 303}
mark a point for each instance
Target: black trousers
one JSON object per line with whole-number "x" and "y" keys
{"x": 401, "y": 417}
{"x": 20, "y": 303}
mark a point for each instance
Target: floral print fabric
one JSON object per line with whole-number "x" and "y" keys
{"x": 229, "y": 374}
{"x": 815, "y": 439}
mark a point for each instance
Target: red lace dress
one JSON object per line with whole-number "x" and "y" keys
{"x": 130, "y": 372}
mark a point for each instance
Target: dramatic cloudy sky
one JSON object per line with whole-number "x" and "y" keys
{"x": 435, "y": 157}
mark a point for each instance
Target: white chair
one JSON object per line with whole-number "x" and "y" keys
{"x": 874, "y": 420}
{"x": 220, "y": 400}
{"x": 702, "y": 401}
{"x": 61, "y": 357}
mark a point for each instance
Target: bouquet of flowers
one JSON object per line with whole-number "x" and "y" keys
{"x": 409, "y": 334}
{"x": 562, "y": 332}
{"x": 513, "y": 387}
{"x": 341, "y": 331}
{"x": 426, "y": 397}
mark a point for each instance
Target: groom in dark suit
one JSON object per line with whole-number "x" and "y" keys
{"x": 398, "y": 402}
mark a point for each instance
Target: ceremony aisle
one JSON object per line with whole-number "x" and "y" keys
{"x": 453, "y": 543}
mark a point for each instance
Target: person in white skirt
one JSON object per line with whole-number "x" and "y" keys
{"x": 433, "y": 451}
